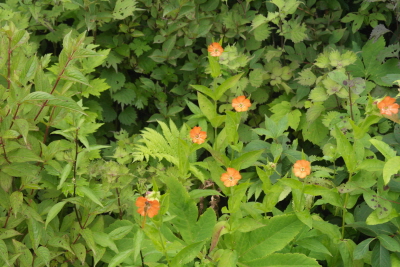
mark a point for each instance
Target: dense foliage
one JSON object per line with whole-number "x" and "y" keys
{"x": 199, "y": 133}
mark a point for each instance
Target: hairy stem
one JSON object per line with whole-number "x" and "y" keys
{"x": 15, "y": 115}
{"x": 8, "y": 217}
{"x": 9, "y": 64}
{"x": 56, "y": 83}
{"x": 119, "y": 203}
{"x": 74, "y": 178}
{"x": 4, "y": 150}
{"x": 346, "y": 199}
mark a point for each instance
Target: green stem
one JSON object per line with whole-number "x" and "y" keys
{"x": 346, "y": 199}
{"x": 163, "y": 247}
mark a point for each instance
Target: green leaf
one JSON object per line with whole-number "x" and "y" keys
{"x": 35, "y": 232}
{"x": 137, "y": 243}
{"x": 19, "y": 38}
{"x": 384, "y": 148}
{"x": 346, "y": 150}
{"x": 4, "y": 251}
{"x": 64, "y": 174}
{"x": 128, "y": 116}
{"x": 284, "y": 260}
{"x": 73, "y": 74}
{"x": 228, "y": 83}
{"x": 313, "y": 245}
{"x": 262, "y": 32}
{"x": 306, "y": 77}
{"x": 124, "y": 8}
{"x": 207, "y": 107}
{"x": 120, "y": 232}
{"x": 183, "y": 207}
{"x": 256, "y": 77}
{"x": 54, "y": 211}
{"x": 204, "y": 90}
{"x": 380, "y": 256}
{"x": 16, "y": 199}
{"x": 44, "y": 254}
{"x": 214, "y": 66}
{"x": 389, "y": 243}
{"x": 198, "y": 193}
{"x": 104, "y": 240}
{"x": 246, "y": 160}
{"x": 87, "y": 234}
{"x": 67, "y": 103}
{"x": 361, "y": 250}
{"x": 205, "y": 225}
{"x": 263, "y": 241}
{"x": 392, "y": 166}
{"x": 90, "y": 194}
{"x": 187, "y": 254}
{"x": 23, "y": 155}
{"x": 120, "y": 257}
{"x": 168, "y": 45}
{"x": 38, "y": 96}
{"x": 80, "y": 252}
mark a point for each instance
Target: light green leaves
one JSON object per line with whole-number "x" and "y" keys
{"x": 124, "y": 8}
{"x": 392, "y": 166}
{"x": 263, "y": 241}
{"x": 54, "y": 211}
{"x": 346, "y": 150}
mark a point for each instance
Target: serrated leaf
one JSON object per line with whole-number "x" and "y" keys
{"x": 256, "y": 77}
{"x": 384, "y": 148}
{"x": 44, "y": 254}
{"x": 73, "y": 74}
{"x": 124, "y": 8}
{"x": 345, "y": 149}
{"x": 120, "y": 257}
{"x": 90, "y": 194}
{"x": 268, "y": 239}
{"x": 306, "y": 77}
{"x": 120, "y": 232}
{"x": 128, "y": 116}
{"x": 262, "y": 32}
{"x": 227, "y": 84}
{"x": 187, "y": 254}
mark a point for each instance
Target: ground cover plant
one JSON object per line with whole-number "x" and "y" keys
{"x": 199, "y": 133}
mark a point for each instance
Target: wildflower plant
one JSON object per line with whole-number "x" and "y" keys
{"x": 129, "y": 137}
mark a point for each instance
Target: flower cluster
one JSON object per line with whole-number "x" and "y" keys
{"x": 241, "y": 103}
{"x": 198, "y": 136}
{"x": 388, "y": 106}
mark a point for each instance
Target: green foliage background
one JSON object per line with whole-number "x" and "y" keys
{"x": 98, "y": 98}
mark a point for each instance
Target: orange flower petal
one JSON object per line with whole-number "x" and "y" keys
{"x": 197, "y": 135}
{"x": 231, "y": 177}
{"x": 147, "y": 207}
{"x": 241, "y": 103}
{"x": 215, "y": 49}
{"x": 388, "y": 106}
{"x": 302, "y": 168}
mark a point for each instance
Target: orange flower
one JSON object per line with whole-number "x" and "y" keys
{"x": 231, "y": 177}
{"x": 388, "y": 106}
{"x": 198, "y": 136}
{"x": 302, "y": 168}
{"x": 215, "y": 49}
{"x": 147, "y": 207}
{"x": 241, "y": 103}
